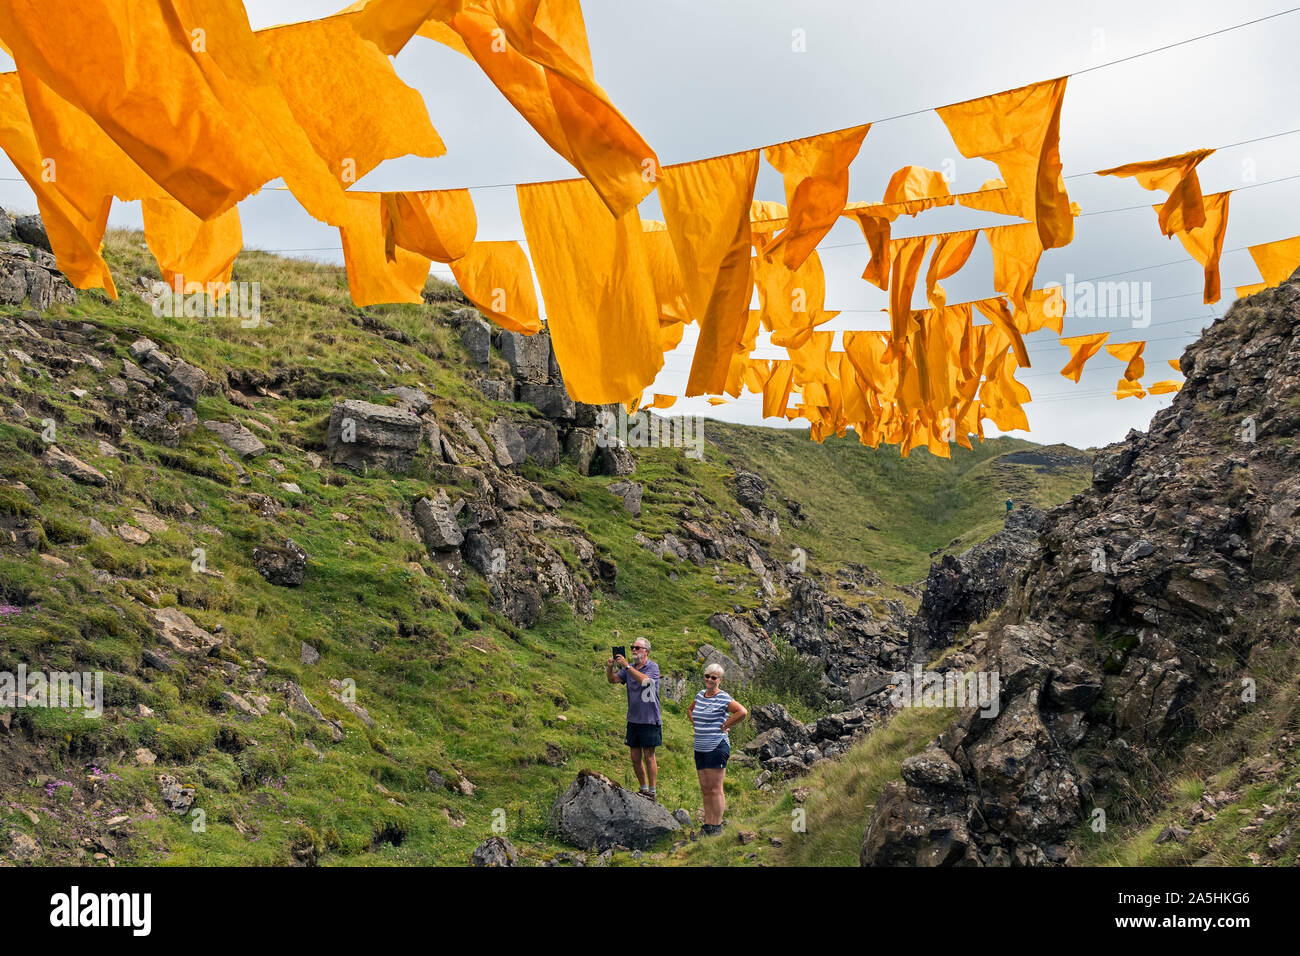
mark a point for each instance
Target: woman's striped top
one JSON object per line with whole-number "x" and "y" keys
{"x": 710, "y": 714}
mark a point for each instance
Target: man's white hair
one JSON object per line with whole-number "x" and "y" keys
{"x": 715, "y": 668}
{"x": 646, "y": 642}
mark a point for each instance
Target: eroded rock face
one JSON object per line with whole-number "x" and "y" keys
{"x": 596, "y": 812}
{"x": 362, "y": 434}
{"x": 1182, "y": 555}
{"x": 967, "y": 588}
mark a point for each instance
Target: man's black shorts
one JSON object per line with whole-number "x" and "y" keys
{"x": 644, "y": 735}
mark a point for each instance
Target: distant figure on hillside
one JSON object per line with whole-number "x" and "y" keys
{"x": 1010, "y": 504}
{"x": 644, "y": 720}
{"x": 713, "y": 713}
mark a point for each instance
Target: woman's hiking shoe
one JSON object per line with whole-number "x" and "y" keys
{"x": 649, "y": 793}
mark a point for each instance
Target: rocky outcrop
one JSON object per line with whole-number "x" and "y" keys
{"x": 1136, "y": 621}
{"x": 750, "y": 646}
{"x": 29, "y": 273}
{"x": 282, "y": 566}
{"x": 596, "y": 812}
{"x": 237, "y": 438}
{"x": 967, "y": 588}
{"x": 858, "y": 649}
{"x": 494, "y": 851}
{"x": 363, "y": 435}
{"x": 436, "y": 519}
{"x": 751, "y": 491}
{"x": 73, "y": 467}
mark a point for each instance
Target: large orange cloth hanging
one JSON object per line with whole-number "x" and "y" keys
{"x": 601, "y": 307}
{"x": 78, "y": 158}
{"x": 1175, "y": 175}
{"x": 1205, "y": 243}
{"x": 439, "y": 224}
{"x": 136, "y": 65}
{"x": 1130, "y": 352}
{"x": 706, "y": 206}
{"x": 496, "y": 277}
{"x": 670, "y": 288}
{"x": 1016, "y": 251}
{"x": 536, "y": 53}
{"x": 907, "y": 255}
{"x": 190, "y": 250}
{"x": 1082, "y": 348}
{"x": 816, "y": 174}
{"x": 74, "y": 238}
{"x": 355, "y": 117}
{"x": 1278, "y": 260}
{"x": 1019, "y": 130}
{"x": 373, "y": 278}
{"x": 790, "y": 302}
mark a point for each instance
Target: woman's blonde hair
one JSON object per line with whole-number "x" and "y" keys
{"x": 715, "y": 668}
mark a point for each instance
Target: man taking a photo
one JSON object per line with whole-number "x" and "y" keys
{"x": 644, "y": 721}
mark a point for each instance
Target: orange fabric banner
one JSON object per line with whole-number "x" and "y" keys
{"x": 601, "y": 306}
{"x": 497, "y": 278}
{"x": 1205, "y": 243}
{"x": 1175, "y": 175}
{"x": 1082, "y": 348}
{"x": 707, "y": 206}
{"x": 816, "y": 174}
{"x": 439, "y": 224}
{"x": 1019, "y": 130}
{"x": 373, "y": 279}
{"x": 188, "y": 248}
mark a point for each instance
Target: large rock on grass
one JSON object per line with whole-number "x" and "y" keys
{"x": 596, "y": 812}
{"x": 364, "y": 435}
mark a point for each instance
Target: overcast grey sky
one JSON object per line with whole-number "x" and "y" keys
{"x": 704, "y": 77}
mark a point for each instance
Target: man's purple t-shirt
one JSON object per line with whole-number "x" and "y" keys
{"x": 642, "y": 702}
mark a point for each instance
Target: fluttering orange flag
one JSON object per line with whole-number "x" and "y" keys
{"x": 136, "y": 65}
{"x": 356, "y": 117}
{"x": 1175, "y": 175}
{"x": 1165, "y": 387}
{"x": 907, "y": 255}
{"x": 1277, "y": 260}
{"x": 190, "y": 250}
{"x": 1016, "y": 252}
{"x": 373, "y": 278}
{"x": 601, "y": 307}
{"x": 1019, "y": 130}
{"x": 1082, "y": 348}
{"x": 950, "y": 253}
{"x": 706, "y": 206}
{"x": 916, "y": 182}
{"x": 74, "y": 238}
{"x": 670, "y": 288}
{"x": 1205, "y": 243}
{"x": 1127, "y": 388}
{"x": 497, "y": 278}
{"x": 439, "y": 224}
{"x": 816, "y": 174}
{"x": 1130, "y": 352}
{"x": 536, "y": 53}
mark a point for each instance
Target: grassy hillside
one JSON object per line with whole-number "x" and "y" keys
{"x": 456, "y": 691}
{"x": 893, "y": 514}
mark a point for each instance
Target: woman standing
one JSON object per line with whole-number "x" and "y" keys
{"x": 713, "y": 713}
